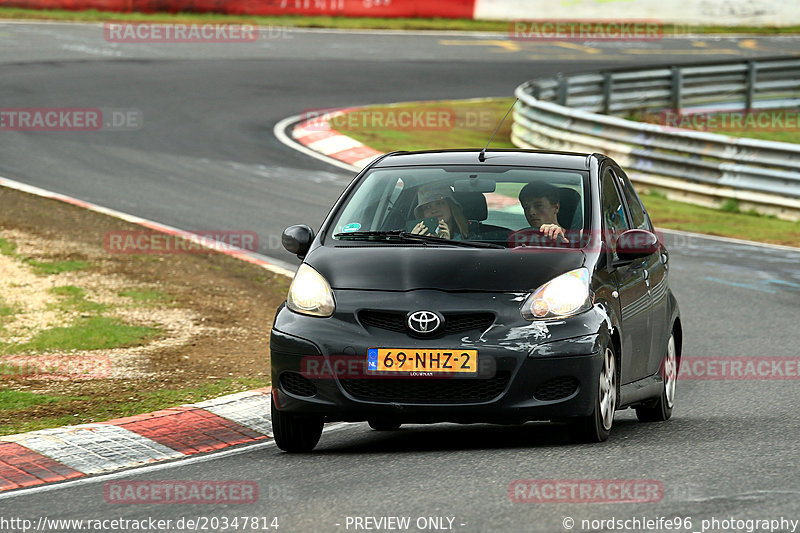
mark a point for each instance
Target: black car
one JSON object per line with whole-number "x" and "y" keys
{"x": 430, "y": 295}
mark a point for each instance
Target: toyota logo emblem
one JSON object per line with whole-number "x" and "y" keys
{"x": 424, "y": 322}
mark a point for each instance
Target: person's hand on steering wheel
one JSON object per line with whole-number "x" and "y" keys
{"x": 554, "y": 232}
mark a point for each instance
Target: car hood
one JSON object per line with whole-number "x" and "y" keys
{"x": 399, "y": 268}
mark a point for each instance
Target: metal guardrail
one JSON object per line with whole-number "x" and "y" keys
{"x": 562, "y": 113}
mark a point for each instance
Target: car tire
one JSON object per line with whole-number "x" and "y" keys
{"x": 661, "y": 410}
{"x": 293, "y": 433}
{"x": 596, "y": 427}
{"x": 383, "y": 424}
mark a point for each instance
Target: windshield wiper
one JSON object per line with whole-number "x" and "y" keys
{"x": 405, "y": 236}
{"x": 359, "y": 235}
{"x": 439, "y": 240}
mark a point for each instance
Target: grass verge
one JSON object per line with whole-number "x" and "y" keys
{"x": 93, "y": 333}
{"x": 211, "y": 342}
{"x": 12, "y": 400}
{"x": 472, "y": 125}
{"x": 355, "y": 23}
{"x": 74, "y": 299}
{"x": 725, "y": 223}
{"x": 7, "y": 247}
{"x": 5, "y": 309}
{"x": 19, "y": 410}
{"x": 145, "y": 296}
{"x": 425, "y": 125}
{"x": 43, "y": 268}
{"x": 47, "y": 268}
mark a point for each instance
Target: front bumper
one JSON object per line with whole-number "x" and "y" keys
{"x": 527, "y": 371}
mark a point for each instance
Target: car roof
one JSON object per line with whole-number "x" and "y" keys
{"x": 512, "y": 157}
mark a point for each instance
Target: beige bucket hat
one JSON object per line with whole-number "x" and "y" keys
{"x": 431, "y": 193}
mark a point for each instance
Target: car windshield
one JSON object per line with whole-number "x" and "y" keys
{"x": 478, "y": 204}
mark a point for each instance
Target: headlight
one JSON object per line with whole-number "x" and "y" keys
{"x": 310, "y": 294}
{"x": 566, "y": 295}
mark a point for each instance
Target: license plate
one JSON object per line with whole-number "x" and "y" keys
{"x": 404, "y": 360}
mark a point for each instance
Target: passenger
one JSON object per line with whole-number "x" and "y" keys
{"x": 437, "y": 200}
{"x": 540, "y": 202}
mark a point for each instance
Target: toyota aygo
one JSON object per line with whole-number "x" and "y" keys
{"x": 498, "y": 286}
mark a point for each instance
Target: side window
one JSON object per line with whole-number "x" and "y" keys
{"x": 639, "y": 217}
{"x": 613, "y": 210}
{"x": 614, "y": 220}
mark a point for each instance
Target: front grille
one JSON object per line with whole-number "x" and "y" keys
{"x": 294, "y": 383}
{"x": 456, "y": 323}
{"x": 432, "y": 390}
{"x": 453, "y": 322}
{"x": 556, "y": 389}
{"x": 384, "y": 320}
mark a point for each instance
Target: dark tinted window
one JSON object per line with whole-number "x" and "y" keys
{"x": 614, "y": 219}
{"x": 639, "y": 217}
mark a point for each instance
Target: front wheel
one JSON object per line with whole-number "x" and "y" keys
{"x": 661, "y": 410}
{"x": 596, "y": 427}
{"x": 293, "y": 433}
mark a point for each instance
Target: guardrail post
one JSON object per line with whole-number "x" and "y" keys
{"x": 677, "y": 88}
{"x": 563, "y": 87}
{"x": 608, "y": 85}
{"x": 750, "y": 85}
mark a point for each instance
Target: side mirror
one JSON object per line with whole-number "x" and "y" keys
{"x": 297, "y": 239}
{"x": 636, "y": 243}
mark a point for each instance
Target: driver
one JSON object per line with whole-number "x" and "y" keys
{"x": 540, "y": 202}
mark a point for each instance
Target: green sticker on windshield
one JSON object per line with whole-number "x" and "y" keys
{"x": 353, "y": 226}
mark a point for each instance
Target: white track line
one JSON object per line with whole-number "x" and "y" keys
{"x": 160, "y": 466}
{"x": 280, "y": 134}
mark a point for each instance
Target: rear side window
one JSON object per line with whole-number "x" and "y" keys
{"x": 613, "y": 211}
{"x": 614, "y": 219}
{"x": 639, "y": 218}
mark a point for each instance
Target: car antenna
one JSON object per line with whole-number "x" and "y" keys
{"x": 482, "y": 155}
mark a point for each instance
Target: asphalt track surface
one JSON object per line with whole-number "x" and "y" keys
{"x": 206, "y": 158}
